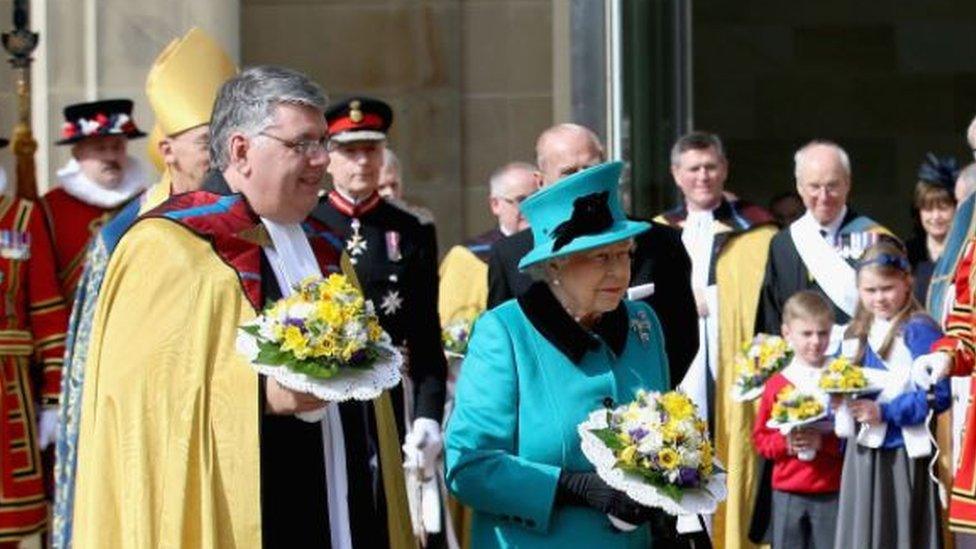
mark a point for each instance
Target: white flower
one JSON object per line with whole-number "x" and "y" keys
{"x": 265, "y": 328}
{"x": 651, "y": 444}
{"x": 690, "y": 457}
{"x": 300, "y": 310}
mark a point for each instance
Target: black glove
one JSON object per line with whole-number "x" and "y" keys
{"x": 589, "y": 490}
{"x": 663, "y": 526}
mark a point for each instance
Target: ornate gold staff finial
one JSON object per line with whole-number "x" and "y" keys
{"x": 20, "y": 43}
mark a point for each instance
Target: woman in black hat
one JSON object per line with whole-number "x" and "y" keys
{"x": 933, "y": 208}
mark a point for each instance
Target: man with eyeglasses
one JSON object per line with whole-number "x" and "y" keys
{"x": 819, "y": 252}
{"x": 173, "y": 417}
{"x": 464, "y": 270}
{"x": 395, "y": 256}
{"x": 508, "y": 186}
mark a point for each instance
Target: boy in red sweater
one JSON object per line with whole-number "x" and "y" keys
{"x": 804, "y": 492}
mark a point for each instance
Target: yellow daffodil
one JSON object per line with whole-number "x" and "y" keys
{"x": 677, "y": 405}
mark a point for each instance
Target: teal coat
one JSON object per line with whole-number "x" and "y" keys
{"x": 530, "y": 377}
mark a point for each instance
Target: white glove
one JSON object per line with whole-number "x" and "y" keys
{"x": 47, "y": 428}
{"x": 930, "y": 368}
{"x": 423, "y": 445}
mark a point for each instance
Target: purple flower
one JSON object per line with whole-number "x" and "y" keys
{"x": 688, "y": 477}
{"x": 637, "y": 434}
{"x": 300, "y": 323}
{"x": 358, "y": 356}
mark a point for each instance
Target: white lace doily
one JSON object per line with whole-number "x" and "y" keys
{"x": 739, "y": 395}
{"x": 693, "y": 501}
{"x": 347, "y": 384}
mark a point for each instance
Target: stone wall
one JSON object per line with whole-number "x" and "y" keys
{"x": 470, "y": 83}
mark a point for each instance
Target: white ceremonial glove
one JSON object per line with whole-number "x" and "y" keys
{"x": 423, "y": 445}
{"x": 928, "y": 369}
{"x": 47, "y": 428}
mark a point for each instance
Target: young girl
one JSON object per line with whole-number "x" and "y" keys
{"x": 886, "y": 497}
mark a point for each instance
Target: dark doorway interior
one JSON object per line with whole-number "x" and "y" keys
{"x": 889, "y": 80}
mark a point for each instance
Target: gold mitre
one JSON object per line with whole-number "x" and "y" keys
{"x": 184, "y": 80}
{"x": 152, "y": 148}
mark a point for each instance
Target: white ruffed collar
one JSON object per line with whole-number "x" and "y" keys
{"x": 78, "y": 185}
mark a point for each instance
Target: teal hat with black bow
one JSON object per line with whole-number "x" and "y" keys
{"x": 578, "y": 213}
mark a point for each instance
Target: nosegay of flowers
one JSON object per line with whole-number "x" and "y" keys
{"x": 842, "y": 375}
{"x": 793, "y": 406}
{"x": 323, "y": 326}
{"x": 661, "y": 438}
{"x": 757, "y": 362}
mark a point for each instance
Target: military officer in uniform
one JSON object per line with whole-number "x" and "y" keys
{"x": 395, "y": 256}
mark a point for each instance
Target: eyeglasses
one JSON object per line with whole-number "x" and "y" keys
{"x": 306, "y": 147}
{"x": 833, "y": 189}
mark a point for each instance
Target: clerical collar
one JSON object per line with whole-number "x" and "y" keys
{"x": 353, "y": 208}
{"x": 504, "y": 232}
{"x": 552, "y": 321}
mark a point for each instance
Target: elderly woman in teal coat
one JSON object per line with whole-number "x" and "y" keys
{"x": 537, "y": 366}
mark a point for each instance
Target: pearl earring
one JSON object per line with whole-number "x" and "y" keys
{"x": 555, "y": 282}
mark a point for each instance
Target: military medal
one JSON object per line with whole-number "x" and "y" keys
{"x": 356, "y": 245}
{"x": 14, "y": 245}
{"x": 393, "y": 246}
{"x": 391, "y": 303}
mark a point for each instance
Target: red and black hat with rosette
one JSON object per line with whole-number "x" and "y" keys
{"x": 98, "y": 118}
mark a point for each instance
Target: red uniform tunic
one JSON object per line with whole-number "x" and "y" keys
{"x": 960, "y": 343}
{"x": 72, "y": 224}
{"x": 33, "y": 320}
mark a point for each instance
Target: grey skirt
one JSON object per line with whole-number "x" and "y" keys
{"x": 886, "y": 501}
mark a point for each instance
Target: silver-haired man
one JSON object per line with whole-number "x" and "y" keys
{"x": 181, "y": 442}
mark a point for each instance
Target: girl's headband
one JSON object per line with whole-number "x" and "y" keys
{"x": 887, "y": 260}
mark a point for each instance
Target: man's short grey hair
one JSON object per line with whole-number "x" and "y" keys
{"x": 247, "y": 103}
{"x": 496, "y": 182}
{"x": 696, "y": 141}
{"x": 392, "y": 160}
{"x": 801, "y": 156}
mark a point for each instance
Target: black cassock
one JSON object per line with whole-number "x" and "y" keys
{"x": 395, "y": 257}
{"x": 294, "y": 505}
{"x": 660, "y": 258}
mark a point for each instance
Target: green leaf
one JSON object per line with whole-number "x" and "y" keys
{"x": 609, "y": 437}
{"x": 655, "y": 479}
{"x": 251, "y": 329}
